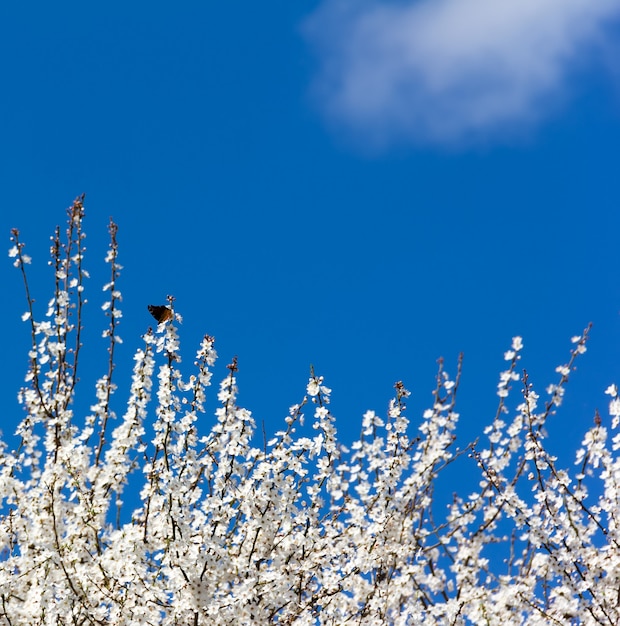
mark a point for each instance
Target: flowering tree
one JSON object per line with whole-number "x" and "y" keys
{"x": 298, "y": 530}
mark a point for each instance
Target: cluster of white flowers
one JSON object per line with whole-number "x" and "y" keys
{"x": 298, "y": 530}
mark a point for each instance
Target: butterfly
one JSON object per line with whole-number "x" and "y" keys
{"x": 160, "y": 313}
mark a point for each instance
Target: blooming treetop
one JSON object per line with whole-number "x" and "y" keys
{"x": 299, "y": 530}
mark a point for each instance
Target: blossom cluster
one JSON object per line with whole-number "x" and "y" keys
{"x": 300, "y": 529}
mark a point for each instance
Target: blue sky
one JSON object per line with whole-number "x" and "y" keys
{"x": 359, "y": 186}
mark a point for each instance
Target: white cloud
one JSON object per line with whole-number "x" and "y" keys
{"x": 449, "y": 71}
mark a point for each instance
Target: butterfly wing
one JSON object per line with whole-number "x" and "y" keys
{"x": 160, "y": 313}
